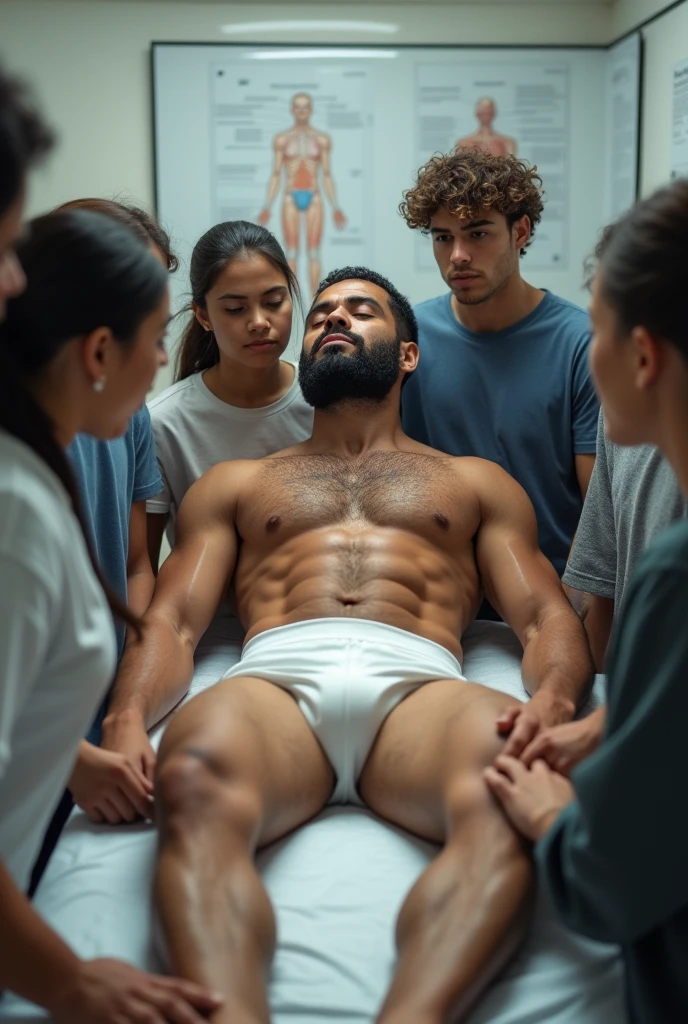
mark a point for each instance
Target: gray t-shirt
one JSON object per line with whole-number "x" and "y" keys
{"x": 633, "y": 496}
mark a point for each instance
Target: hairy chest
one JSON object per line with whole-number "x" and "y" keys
{"x": 411, "y": 492}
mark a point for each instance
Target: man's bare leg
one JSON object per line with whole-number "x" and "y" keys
{"x": 467, "y": 913}
{"x": 238, "y": 768}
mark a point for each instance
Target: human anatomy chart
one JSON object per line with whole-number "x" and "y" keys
{"x": 289, "y": 152}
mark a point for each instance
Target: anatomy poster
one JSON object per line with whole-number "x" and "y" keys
{"x": 291, "y": 151}
{"x": 505, "y": 108}
{"x": 679, "y": 120}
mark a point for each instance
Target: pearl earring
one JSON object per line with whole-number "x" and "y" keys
{"x": 98, "y": 385}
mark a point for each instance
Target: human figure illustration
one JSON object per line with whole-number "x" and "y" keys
{"x": 485, "y": 137}
{"x": 303, "y": 153}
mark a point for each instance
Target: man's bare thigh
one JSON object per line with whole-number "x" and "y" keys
{"x": 442, "y": 735}
{"x": 251, "y": 733}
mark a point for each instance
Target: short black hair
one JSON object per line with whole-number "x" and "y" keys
{"x": 404, "y": 317}
{"x": 24, "y": 138}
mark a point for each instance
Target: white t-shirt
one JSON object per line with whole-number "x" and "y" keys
{"x": 194, "y": 430}
{"x": 57, "y": 650}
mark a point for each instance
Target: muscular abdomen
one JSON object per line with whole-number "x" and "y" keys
{"x": 361, "y": 570}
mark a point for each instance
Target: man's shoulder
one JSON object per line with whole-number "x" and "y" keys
{"x": 432, "y": 307}
{"x": 216, "y": 494}
{"x": 567, "y": 315}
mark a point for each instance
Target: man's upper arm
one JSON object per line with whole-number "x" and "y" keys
{"x": 518, "y": 580}
{"x": 194, "y": 577}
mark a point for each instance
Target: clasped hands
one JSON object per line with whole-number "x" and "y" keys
{"x": 528, "y": 777}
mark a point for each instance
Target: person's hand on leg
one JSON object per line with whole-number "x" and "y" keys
{"x": 562, "y": 747}
{"x": 532, "y": 798}
{"x": 109, "y": 786}
{"x": 524, "y": 722}
{"x": 114, "y": 992}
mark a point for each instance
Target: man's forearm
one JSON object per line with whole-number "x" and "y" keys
{"x": 154, "y": 675}
{"x": 557, "y": 660}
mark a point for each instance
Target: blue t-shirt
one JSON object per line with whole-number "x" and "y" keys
{"x": 112, "y": 475}
{"x": 521, "y": 397}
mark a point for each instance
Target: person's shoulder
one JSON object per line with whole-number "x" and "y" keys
{"x": 566, "y": 313}
{"x": 491, "y": 483}
{"x": 165, "y": 403}
{"x": 34, "y": 506}
{"x": 431, "y": 310}
{"x": 140, "y": 422}
{"x": 223, "y": 480}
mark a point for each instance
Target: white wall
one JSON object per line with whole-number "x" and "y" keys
{"x": 628, "y": 14}
{"x": 666, "y": 41}
{"x": 89, "y": 64}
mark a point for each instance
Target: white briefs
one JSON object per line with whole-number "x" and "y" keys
{"x": 347, "y": 675}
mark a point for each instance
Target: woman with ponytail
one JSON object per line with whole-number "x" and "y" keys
{"x": 79, "y": 349}
{"x": 613, "y": 842}
{"x": 235, "y": 397}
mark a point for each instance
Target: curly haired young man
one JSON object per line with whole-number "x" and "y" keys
{"x": 503, "y": 372}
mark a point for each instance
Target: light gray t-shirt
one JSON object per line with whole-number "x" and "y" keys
{"x": 633, "y": 496}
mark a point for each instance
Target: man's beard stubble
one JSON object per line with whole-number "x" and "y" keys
{"x": 367, "y": 375}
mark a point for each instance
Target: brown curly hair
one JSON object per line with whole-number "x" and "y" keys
{"x": 469, "y": 180}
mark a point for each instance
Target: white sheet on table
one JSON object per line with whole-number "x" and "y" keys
{"x": 337, "y": 885}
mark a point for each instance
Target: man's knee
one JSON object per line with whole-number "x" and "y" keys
{"x": 196, "y": 787}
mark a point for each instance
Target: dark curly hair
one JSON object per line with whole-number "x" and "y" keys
{"x": 468, "y": 180}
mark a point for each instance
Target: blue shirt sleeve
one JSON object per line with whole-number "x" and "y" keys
{"x": 147, "y": 479}
{"x": 585, "y": 405}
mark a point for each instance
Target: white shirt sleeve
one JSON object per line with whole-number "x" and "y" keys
{"x": 26, "y": 604}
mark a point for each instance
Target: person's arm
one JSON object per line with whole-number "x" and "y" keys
{"x": 38, "y": 966}
{"x": 328, "y": 183}
{"x": 275, "y": 179}
{"x": 156, "y": 523}
{"x": 592, "y": 566}
{"x": 585, "y": 463}
{"x": 140, "y": 578}
{"x": 615, "y": 860}
{"x": 523, "y": 587}
{"x": 597, "y": 614}
{"x": 156, "y": 669}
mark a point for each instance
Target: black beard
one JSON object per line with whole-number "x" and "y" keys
{"x": 367, "y": 375}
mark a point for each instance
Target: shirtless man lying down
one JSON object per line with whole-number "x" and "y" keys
{"x": 357, "y": 560}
